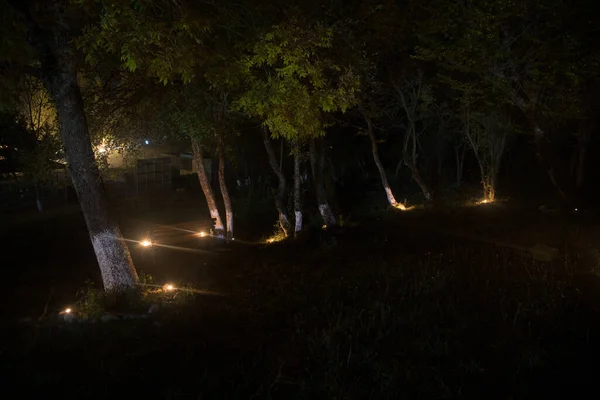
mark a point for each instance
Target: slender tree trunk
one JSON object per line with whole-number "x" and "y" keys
{"x": 410, "y": 162}
{"x": 317, "y": 162}
{"x": 114, "y": 259}
{"x": 225, "y": 194}
{"x": 386, "y": 186}
{"x": 38, "y": 198}
{"x": 297, "y": 191}
{"x": 460, "y": 162}
{"x": 541, "y": 153}
{"x": 284, "y": 221}
{"x": 206, "y": 188}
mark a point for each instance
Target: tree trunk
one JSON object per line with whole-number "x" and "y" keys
{"x": 386, "y": 186}
{"x": 416, "y": 175}
{"x": 114, "y": 259}
{"x": 459, "y": 152}
{"x": 225, "y": 194}
{"x": 297, "y": 192}
{"x": 284, "y": 221}
{"x": 410, "y": 162}
{"x": 317, "y": 162}
{"x": 206, "y": 188}
{"x": 38, "y": 198}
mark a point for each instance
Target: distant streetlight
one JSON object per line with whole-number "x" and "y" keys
{"x": 147, "y": 141}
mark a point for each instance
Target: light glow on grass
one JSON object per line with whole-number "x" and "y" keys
{"x": 485, "y": 201}
{"x": 278, "y": 236}
{"x": 403, "y": 207}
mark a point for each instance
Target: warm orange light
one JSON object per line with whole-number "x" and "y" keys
{"x": 202, "y": 234}
{"x": 67, "y": 311}
{"x": 146, "y": 243}
{"x": 168, "y": 287}
{"x": 402, "y": 207}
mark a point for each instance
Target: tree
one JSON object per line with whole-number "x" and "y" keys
{"x": 508, "y": 53}
{"x": 49, "y": 29}
{"x": 487, "y": 134}
{"x": 415, "y": 100}
{"x": 292, "y": 84}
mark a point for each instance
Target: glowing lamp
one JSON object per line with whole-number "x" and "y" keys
{"x": 146, "y": 243}
{"x": 202, "y": 234}
{"x": 101, "y": 149}
{"x": 68, "y": 311}
{"x": 168, "y": 287}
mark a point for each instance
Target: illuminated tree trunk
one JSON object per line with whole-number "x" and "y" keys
{"x": 225, "y": 194}
{"x": 114, "y": 260}
{"x": 206, "y": 188}
{"x": 386, "y": 186}
{"x": 317, "y": 162}
{"x": 284, "y": 221}
{"x": 297, "y": 191}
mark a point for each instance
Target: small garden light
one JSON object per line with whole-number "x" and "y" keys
{"x": 146, "y": 243}
{"x": 168, "y": 287}
{"x": 202, "y": 234}
{"x": 68, "y": 311}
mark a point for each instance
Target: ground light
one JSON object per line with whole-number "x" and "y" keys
{"x": 485, "y": 201}
{"x": 169, "y": 287}
{"x": 68, "y": 311}
{"x": 202, "y": 234}
{"x": 146, "y": 243}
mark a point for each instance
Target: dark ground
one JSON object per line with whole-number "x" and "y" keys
{"x": 423, "y": 304}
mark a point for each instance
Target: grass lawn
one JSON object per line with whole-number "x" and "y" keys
{"x": 426, "y": 304}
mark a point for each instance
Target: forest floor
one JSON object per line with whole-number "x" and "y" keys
{"x": 494, "y": 302}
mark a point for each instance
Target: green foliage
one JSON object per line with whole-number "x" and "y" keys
{"x": 293, "y": 82}
{"x": 161, "y": 38}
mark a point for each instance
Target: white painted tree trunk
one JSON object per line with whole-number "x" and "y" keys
{"x": 112, "y": 253}
{"x": 108, "y": 246}
{"x": 297, "y": 193}
{"x": 284, "y": 221}
{"x": 327, "y": 214}
{"x": 225, "y": 194}
{"x": 206, "y": 188}
{"x": 386, "y": 186}
{"x": 298, "y": 227}
{"x": 317, "y": 161}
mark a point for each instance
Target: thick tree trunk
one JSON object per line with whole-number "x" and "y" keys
{"x": 114, "y": 259}
{"x": 206, "y": 188}
{"x": 317, "y": 162}
{"x": 386, "y": 186}
{"x": 284, "y": 221}
{"x": 297, "y": 192}
{"x": 225, "y": 194}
